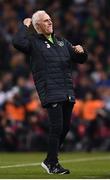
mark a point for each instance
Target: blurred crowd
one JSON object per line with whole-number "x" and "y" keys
{"x": 23, "y": 122}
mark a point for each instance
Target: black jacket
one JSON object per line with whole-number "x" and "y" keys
{"x": 50, "y": 64}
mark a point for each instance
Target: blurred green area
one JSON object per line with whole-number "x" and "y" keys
{"x": 82, "y": 165}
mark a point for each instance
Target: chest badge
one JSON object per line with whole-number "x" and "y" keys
{"x": 60, "y": 43}
{"x": 48, "y": 45}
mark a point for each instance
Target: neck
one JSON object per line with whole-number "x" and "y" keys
{"x": 47, "y": 36}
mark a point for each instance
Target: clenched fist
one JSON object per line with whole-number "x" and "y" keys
{"x": 27, "y": 22}
{"x": 78, "y": 49}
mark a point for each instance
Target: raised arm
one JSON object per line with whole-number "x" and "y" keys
{"x": 78, "y": 53}
{"x": 21, "y": 40}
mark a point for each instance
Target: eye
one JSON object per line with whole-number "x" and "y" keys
{"x": 47, "y": 20}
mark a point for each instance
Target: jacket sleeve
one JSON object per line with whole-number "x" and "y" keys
{"x": 21, "y": 40}
{"x": 77, "y": 57}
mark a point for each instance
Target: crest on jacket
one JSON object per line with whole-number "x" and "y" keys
{"x": 60, "y": 43}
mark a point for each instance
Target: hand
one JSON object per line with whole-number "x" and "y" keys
{"x": 27, "y": 22}
{"x": 78, "y": 49}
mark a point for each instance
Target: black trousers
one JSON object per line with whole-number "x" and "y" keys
{"x": 59, "y": 124}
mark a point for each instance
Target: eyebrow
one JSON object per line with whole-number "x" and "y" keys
{"x": 47, "y": 19}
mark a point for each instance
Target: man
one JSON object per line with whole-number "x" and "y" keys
{"x": 50, "y": 61}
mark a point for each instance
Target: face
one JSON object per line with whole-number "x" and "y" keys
{"x": 45, "y": 24}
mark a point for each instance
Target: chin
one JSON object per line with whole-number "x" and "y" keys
{"x": 50, "y": 31}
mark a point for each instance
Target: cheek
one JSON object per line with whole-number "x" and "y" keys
{"x": 43, "y": 27}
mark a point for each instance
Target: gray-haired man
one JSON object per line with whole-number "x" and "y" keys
{"x": 51, "y": 61}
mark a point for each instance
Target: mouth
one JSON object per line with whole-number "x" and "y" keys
{"x": 50, "y": 26}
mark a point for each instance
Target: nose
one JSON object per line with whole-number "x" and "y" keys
{"x": 50, "y": 22}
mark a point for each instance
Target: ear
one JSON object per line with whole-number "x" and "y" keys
{"x": 38, "y": 27}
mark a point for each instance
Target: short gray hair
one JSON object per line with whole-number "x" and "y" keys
{"x": 36, "y": 17}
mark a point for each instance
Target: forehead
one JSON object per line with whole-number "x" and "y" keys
{"x": 45, "y": 16}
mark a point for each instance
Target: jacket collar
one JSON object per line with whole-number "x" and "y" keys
{"x": 41, "y": 36}
{"x": 32, "y": 31}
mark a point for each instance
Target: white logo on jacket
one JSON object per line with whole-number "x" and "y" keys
{"x": 48, "y": 45}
